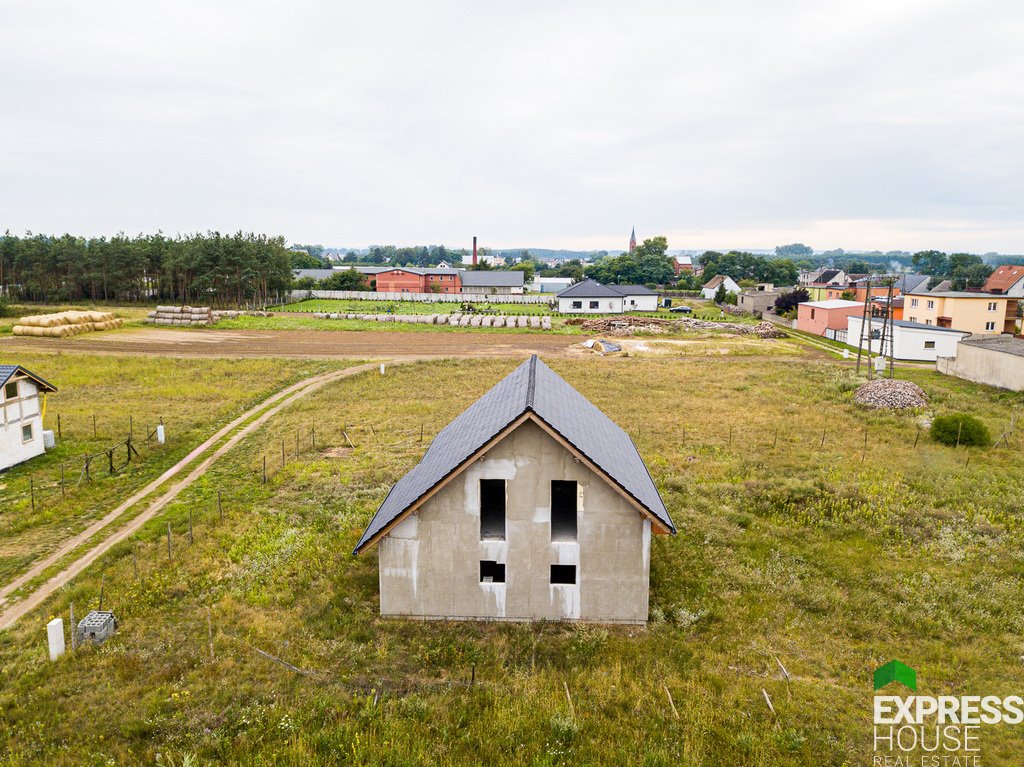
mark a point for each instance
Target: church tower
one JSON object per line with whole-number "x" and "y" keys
{"x": 632, "y": 240}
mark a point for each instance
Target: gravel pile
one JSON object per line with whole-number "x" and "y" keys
{"x": 890, "y": 394}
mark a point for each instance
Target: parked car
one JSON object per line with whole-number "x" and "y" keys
{"x": 682, "y": 309}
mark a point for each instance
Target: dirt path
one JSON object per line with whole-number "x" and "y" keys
{"x": 310, "y": 344}
{"x": 277, "y": 402}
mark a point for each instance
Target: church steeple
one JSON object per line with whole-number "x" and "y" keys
{"x": 632, "y": 240}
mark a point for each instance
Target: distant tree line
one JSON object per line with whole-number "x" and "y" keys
{"x": 201, "y": 268}
{"x": 746, "y": 266}
{"x": 963, "y": 270}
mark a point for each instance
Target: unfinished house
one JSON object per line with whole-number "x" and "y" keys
{"x": 22, "y": 404}
{"x": 531, "y": 505}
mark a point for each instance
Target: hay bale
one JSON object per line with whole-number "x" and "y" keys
{"x": 521, "y": 322}
{"x": 474, "y": 322}
{"x": 545, "y": 323}
{"x": 534, "y": 322}
{"x": 486, "y": 322}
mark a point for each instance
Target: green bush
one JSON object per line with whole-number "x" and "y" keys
{"x": 947, "y": 428}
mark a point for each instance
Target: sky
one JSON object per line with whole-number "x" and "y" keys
{"x": 873, "y": 124}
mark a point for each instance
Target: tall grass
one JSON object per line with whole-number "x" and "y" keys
{"x": 817, "y": 556}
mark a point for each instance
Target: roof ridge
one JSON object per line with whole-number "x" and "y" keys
{"x": 531, "y": 386}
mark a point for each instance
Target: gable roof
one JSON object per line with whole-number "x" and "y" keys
{"x": 589, "y": 288}
{"x": 7, "y": 372}
{"x": 532, "y": 390}
{"x": 1004, "y": 278}
{"x": 715, "y": 281}
{"x": 828, "y": 275}
{"x": 483, "y": 278}
{"x": 909, "y": 283}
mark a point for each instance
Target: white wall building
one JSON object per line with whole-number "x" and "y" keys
{"x": 549, "y": 284}
{"x": 711, "y": 286}
{"x": 591, "y": 297}
{"x": 910, "y": 340}
{"x": 21, "y": 414}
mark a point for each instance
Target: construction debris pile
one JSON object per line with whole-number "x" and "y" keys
{"x": 181, "y": 315}
{"x": 890, "y": 394}
{"x": 626, "y": 326}
{"x": 65, "y": 324}
{"x": 460, "y": 320}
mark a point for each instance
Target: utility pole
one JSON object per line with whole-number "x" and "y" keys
{"x": 865, "y": 328}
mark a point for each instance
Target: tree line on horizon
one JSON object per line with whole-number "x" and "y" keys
{"x": 211, "y": 268}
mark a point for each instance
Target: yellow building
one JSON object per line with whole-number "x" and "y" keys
{"x": 979, "y": 313}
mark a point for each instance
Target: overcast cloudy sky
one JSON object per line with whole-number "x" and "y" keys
{"x": 893, "y": 124}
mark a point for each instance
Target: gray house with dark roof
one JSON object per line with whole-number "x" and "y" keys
{"x": 591, "y": 297}
{"x": 531, "y": 505}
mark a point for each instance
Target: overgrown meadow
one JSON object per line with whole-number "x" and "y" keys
{"x": 813, "y": 536}
{"x": 100, "y": 401}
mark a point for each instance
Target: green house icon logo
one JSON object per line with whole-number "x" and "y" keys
{"x": 894, "y": 671}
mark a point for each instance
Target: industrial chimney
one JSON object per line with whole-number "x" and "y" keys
{"x": 474, "y": 250}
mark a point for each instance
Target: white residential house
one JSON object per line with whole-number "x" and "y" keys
{"x": 531, "y": 505}
{"x": 22, "y": 398}
{"x": 591, "y": 297}
{"x": 711, "y": 286}
{"x": 910, "y": 340}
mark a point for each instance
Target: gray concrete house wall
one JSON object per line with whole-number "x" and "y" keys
{"x": 996, "y": 361}
{"x": 430, "y": 561}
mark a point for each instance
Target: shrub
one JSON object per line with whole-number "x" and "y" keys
{"x": 960, "y": 428}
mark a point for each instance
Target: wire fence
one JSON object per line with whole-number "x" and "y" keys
{"x": 41, "y": 487}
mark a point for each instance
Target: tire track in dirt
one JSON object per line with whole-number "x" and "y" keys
{"x": 276, "y": 403}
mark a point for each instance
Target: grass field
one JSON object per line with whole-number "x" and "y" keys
{"x": 192, "y": 397}
{"x": 701, "y": 309}
{"x": 797, "y": 546}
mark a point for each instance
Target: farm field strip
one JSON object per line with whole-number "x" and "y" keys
{"x": 261, "y": 412}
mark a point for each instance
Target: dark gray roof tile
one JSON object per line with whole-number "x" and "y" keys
{"x": 532, "y": 386}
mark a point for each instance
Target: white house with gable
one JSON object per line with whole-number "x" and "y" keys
{"x": 22, "y": 398}
{"x": 712, "y": 285}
